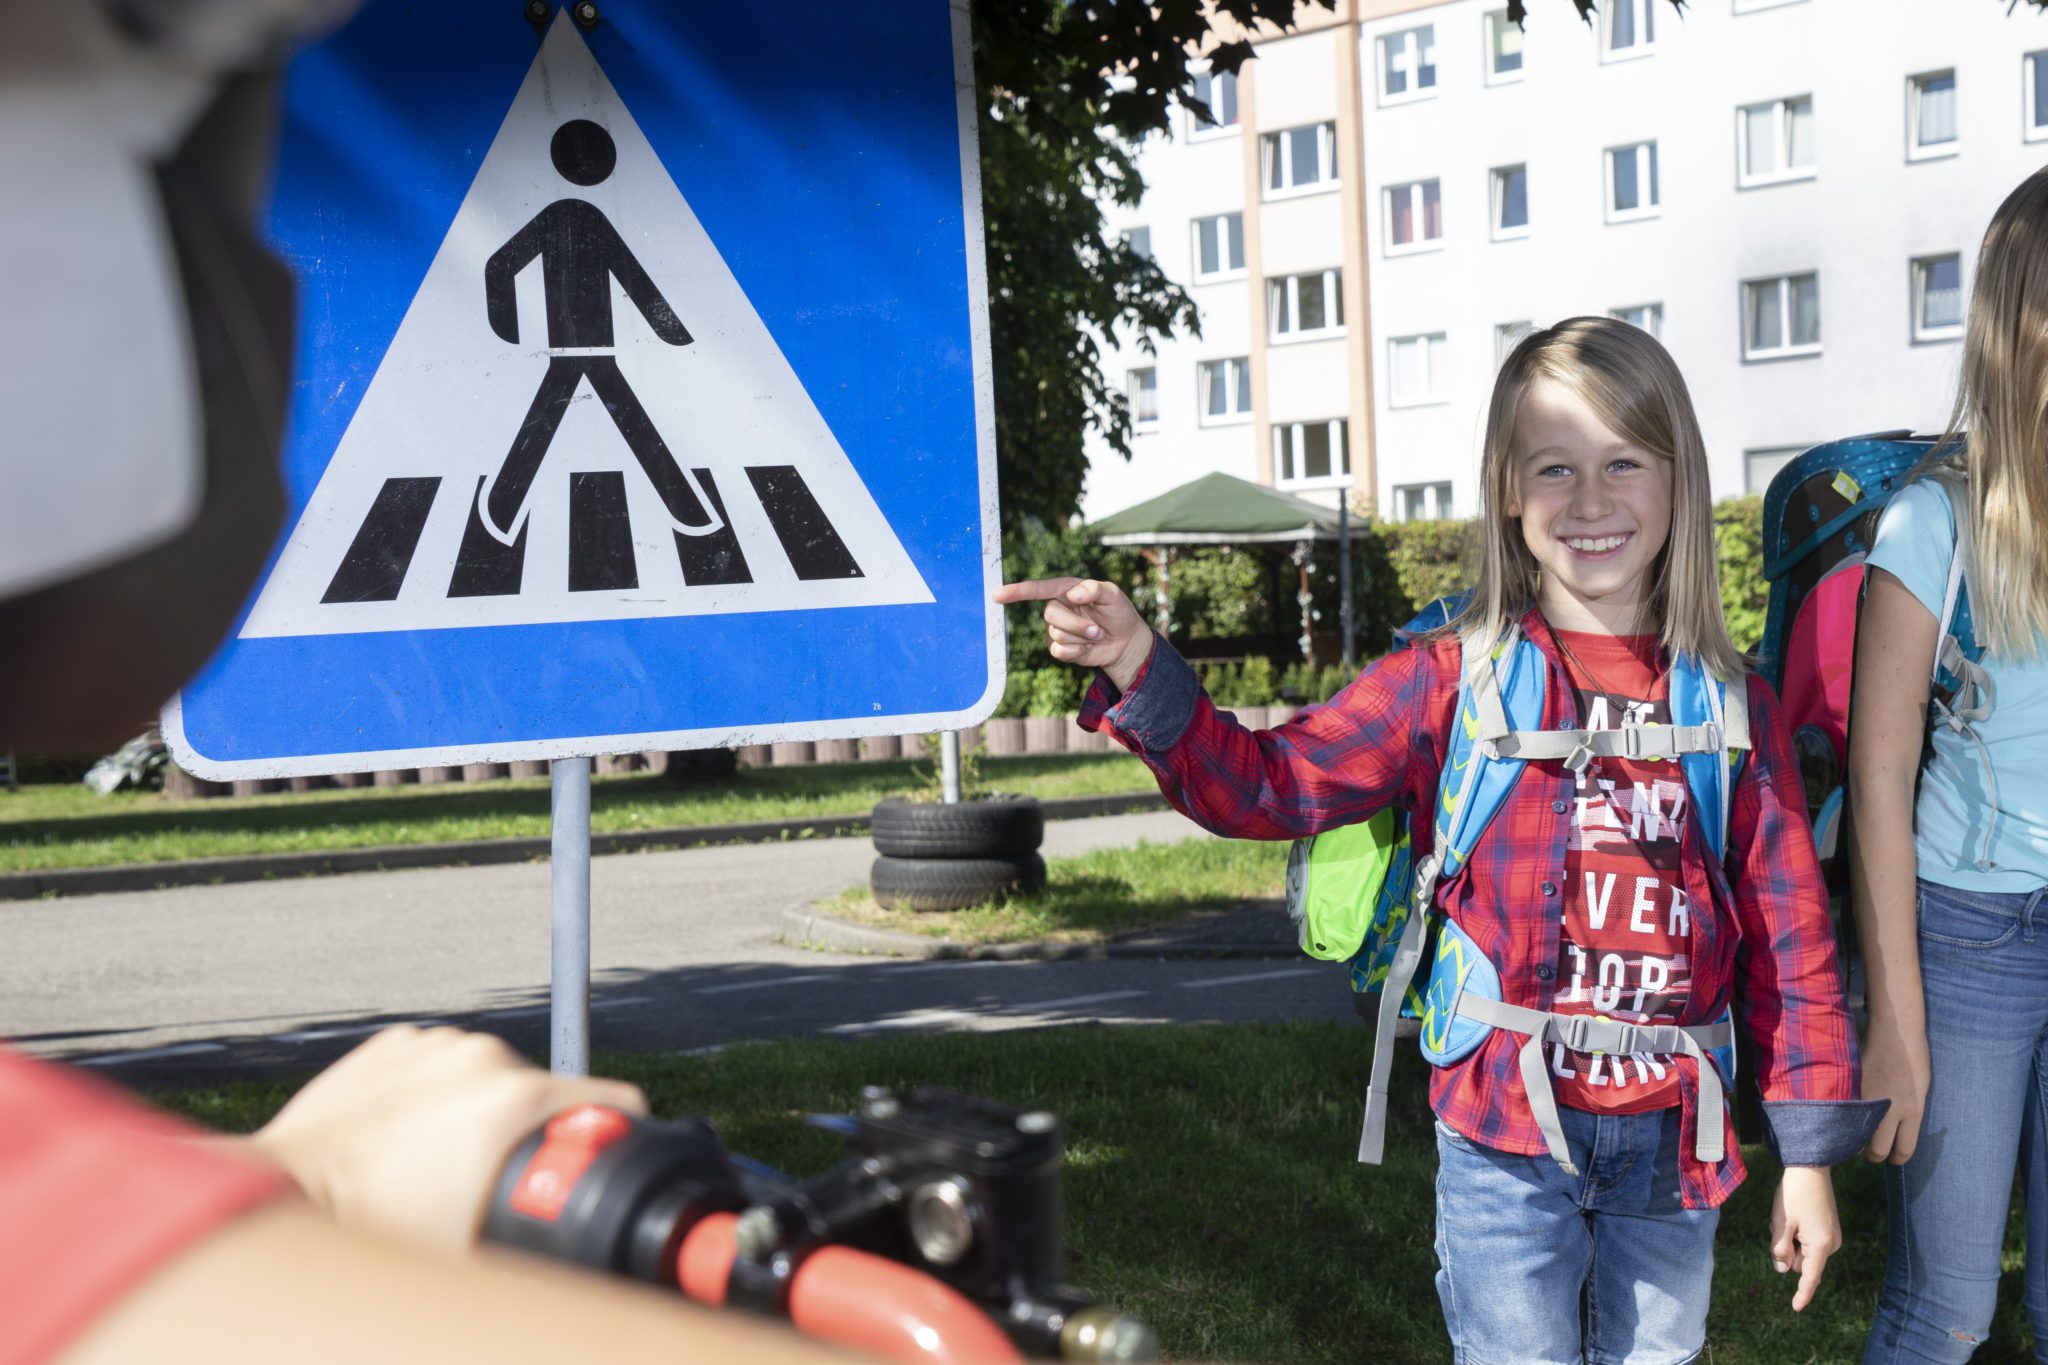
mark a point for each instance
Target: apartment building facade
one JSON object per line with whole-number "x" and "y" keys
{"x": 1788, "y": 192}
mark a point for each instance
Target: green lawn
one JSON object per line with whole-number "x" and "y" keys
{"x": 68, "y": 826}
{"x": 1096, "y": 896}
{"x": 1211, "y": 1187}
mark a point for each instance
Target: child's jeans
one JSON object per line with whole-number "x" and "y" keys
{"x": 1603, "y": 1267}
{"x": 1984, "y": 969}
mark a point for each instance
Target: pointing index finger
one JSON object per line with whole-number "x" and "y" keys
{"x": 1033, "y": 590}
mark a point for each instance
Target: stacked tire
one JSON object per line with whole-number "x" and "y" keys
{"x": 940, "y": 857}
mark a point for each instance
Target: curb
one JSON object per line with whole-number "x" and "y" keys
{"x": 807, "y": 927}
{"x": 256, "y": 867}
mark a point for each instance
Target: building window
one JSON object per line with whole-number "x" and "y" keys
{"x": 1300, "y": 160}
{"x": 1775, "y": 141}
{"x": 1503, "y": 49}
{"x": 1139, "y": 240}
{"x": 1507, "y": 336}
{"x": 1510, "y": 202}
{"x": 1648, "y": 316}
{"x": 1415, "y": 217}
{"x": 1423, "y": 502}
{"x": 1143, "y": 391}
{"x": 1781, "y": 317}
{"x": 1632, "y": 182}
{"x": 1217, "y": 90}
{"x": 1310, "y": 452}
{"x": 1408, "y": 64}
{"x": 1931, "y": 116}
{"x": 1226, "y": 388}
{"x": 2034, "y": 75}
{"x": 1628, "y": 28}
{"x": 1761, "y": 465}
{"x": 1938, "y": 297}
{"x": 1219, "y": 247}
{"x": 1413, "y": 366}
{"x": 1303, "y": 306}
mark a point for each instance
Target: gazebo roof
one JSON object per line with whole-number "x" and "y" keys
{"x": 1218, "y": 509}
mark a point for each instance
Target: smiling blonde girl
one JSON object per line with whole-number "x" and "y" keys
{"x": 1576, "y": 1223}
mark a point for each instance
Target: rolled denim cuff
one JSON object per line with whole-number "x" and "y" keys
{"x": 1160, "y": 706}
{"x": 1820, "y": 1132}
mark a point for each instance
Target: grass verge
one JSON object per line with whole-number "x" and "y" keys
{"x": 1210, "y": 1186}
{"x": 66, "y": 825}
{"x": 1096, "y": 896}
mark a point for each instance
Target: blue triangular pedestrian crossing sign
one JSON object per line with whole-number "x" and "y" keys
{"x": 643, "y": 394}
{"x": 579, "y": 359}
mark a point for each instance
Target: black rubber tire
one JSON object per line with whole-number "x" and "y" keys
{"x": 953, "y": 883}
{"x": 992, "y": 827}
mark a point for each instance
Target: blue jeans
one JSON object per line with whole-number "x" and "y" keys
{"x": 1603, "y": 1267}
{"x": 1984, "y": 968}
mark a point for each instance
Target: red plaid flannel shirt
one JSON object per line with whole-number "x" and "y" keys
{"x": 1768, "y": 941}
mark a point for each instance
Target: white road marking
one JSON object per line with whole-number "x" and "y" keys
{"x": 150, "y": 1054}
{"x": 732, "y": 986}
{"x": 1247, "y": 976}
{"x": 1072, "y": 1001}
{"x": 915, "y": 1019}
{"x": 619, "y": 1001}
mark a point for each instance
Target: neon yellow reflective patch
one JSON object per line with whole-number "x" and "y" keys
{"x": 1847, "y": 486}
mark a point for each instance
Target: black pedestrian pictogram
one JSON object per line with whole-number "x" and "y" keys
{"x": 580, "y": 254}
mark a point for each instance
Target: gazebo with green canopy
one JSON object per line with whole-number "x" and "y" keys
{"x": 1220, "y": 509}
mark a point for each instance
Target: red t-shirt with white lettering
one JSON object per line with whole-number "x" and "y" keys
{"x": 1625, "y": 949}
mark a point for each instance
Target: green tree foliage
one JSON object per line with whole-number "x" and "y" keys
{"x": 1739, "y": 545}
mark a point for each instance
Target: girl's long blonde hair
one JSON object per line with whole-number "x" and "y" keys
{"x": 1631, "y": 383}
{"x": 1996, "y": 427}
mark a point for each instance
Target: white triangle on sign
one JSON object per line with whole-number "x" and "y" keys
{"x": 741, "y": 500}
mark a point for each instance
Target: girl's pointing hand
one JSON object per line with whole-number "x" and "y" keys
{"x": 1088, "y": 622}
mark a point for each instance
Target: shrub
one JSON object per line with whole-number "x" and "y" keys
{"x": 1056, "y": 691}
{"x": 1739, "y": 546}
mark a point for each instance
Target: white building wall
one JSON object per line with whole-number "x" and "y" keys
{"x": 1859, "y": 221}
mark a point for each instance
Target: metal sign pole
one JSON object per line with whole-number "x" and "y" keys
{"x": 1344, "y": 569}
{"x": 949, "y": 766}
{"x": 569, "y": 998}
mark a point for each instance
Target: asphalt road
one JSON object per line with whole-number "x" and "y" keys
{"x": 181, "y": 986}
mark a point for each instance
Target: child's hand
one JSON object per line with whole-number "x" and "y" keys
{"x": 1805, "y": 1230}
{"x": 1088, "y": 622}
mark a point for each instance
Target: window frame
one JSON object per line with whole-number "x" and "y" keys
{"x": 1276, "y": 148}
{"x": 1496, "y": 193}
{"x": 1417, "y": 91}
{"x": 1418, "y": 215}
{"x": 1236, "y": 417}
{"x": 1199, "y": 131}
{"x": 1131, "y": 389}
{"x": 1506, "y": 338}
{"x": 1436, "y": 396}
{"x": 1656, "y": 311}
{"x": 1228, "y": 272}
{"x": 1655, "y": 208}
{"x": 1436, "y": 509}
{"x": 1340, "y": 453}
{"x": 1781, "y": 144}
{"x": 1645, "y": 14}
{"x": 1492, "y": 23}
{"x": 1333, "y": 306}
{"x": 1789, "y": 350}
{"x": 1916, "y": 150}
{"x": 1750, "y": 454}
{"x": 2030, "y": 76}
{"x": 1917, "y": 273}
